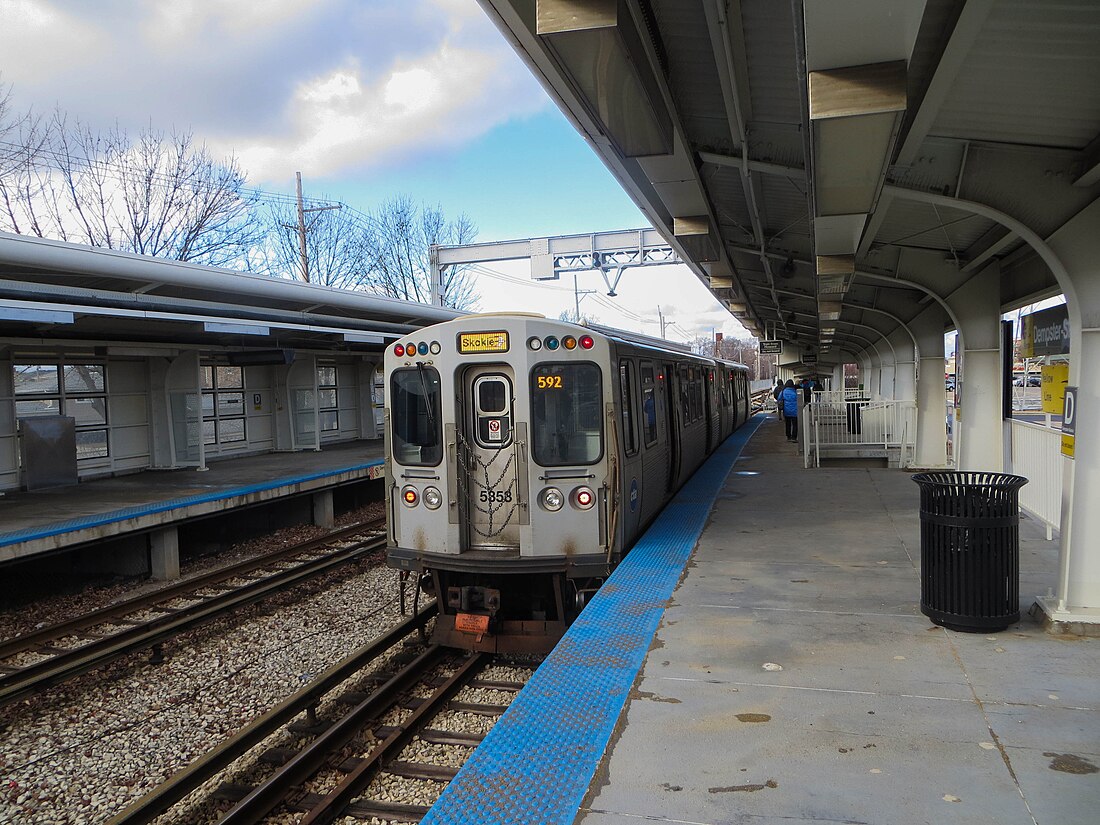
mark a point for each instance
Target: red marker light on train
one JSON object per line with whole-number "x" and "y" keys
{"x": 399, "y": 350}
{"x": 583, "y": 498}
{"x": 587, "y": 342}
{"x": 410, "y": 496}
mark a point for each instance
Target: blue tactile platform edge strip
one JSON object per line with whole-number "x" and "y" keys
{"x": 139, "y": 510}
{"x": 537, "y": 763}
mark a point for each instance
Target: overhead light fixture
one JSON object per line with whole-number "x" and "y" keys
{"x": 829, "y": 310}
{"x": 834, "y": 274}
{"x": 855, "y": 113}
{"x": 696, "y": 237}
{"x": 601, "y": 50}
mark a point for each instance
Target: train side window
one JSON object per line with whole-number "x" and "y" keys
{"x": 416, "y": 421}
{"x": 649, "y": 406}
{"x": 566, "y": 406}
{"x": 626, "y": 402}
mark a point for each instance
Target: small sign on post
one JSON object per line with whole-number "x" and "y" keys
{"x": 771, "y": 347}
{"x": 1069, "y": 421}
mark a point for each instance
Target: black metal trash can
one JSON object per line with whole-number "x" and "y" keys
{"x": 970, "y": 549}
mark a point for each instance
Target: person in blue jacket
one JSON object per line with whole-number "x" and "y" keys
{"x": 789, "y": 400}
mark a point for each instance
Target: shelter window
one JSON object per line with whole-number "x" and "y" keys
{"x": 565, "y": 413}
{"x": 78, "y": 390}
{"x": 416, "y": 424}
{"x": 328, "y": 398}
{"x": 223, "y": 413}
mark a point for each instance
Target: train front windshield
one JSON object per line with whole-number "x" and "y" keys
{"x": 565, "y": 404}
{"x": 415, "y": 416}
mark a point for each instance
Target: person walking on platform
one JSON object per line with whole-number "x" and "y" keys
{"x": 776, "y": 393}
{"x": 788, "y": 400}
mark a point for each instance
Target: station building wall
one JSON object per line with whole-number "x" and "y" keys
{"x": 131, "y": 411}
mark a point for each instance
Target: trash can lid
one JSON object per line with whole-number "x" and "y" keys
{"x": 970, "y": 478}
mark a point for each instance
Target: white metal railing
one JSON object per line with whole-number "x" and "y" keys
{"x": 836, "y": 423}
{"x": 1037, "y": 455}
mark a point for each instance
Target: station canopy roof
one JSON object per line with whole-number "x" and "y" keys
{"x": 55, "y": 290}
{"x": 805, "y": 157}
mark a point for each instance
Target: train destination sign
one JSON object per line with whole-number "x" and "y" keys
{"x": 477, "y": 342}
{"x": 771, "y": 347}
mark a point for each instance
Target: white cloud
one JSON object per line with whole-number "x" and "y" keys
{"x": 349, "y": 118}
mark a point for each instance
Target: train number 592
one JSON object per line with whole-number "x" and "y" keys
{"x": 549, "y": 382}
{"x": 495, "y": 496}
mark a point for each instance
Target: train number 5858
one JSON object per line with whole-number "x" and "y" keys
{"x": 495, "y": 496}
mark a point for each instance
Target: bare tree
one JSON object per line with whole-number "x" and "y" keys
{"x": 23, "y": 140}
{"x": 399, "y": 235}
{"x": 160, "y": 195}
{"x": 336, "y": 247}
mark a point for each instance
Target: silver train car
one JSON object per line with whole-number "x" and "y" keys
{"x": 524, "y": 456}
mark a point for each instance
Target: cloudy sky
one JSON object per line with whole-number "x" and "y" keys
{"x": 367, "y": 100}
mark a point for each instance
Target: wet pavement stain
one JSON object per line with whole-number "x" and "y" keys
{"x": 771, "y": 783}
{"x": 753, "y": 717}
{"x": 668, "y": 787}
{"x": 1070, "y": 763}
{"x": 653, "y": 697}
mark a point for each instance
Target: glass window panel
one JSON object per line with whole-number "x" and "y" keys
{"x": 492, "y": 395}
{"x": 330, "y": 420}
{"x": 87, "y": 411}
{"x": 626, "y": 402}
{"x": 208, "y": 435}
{"x": 326, "y": 376}
{"x": 566, "y": 414}
{"x": 43, "y": 406}
{"x": 208, "y": 403}
{"x": 206, "y": 377}
{"x": 231, "y": 430}
{"x": 326, "y": 399}
{"x": 230, "y": 378}
{"x": 80, "y": 378}
{"x": 35, "y": 379}
{"x": 230, "y": 403}
{"x": 91, "y": 444}
{"x": 416, "y": 421}
{"x": 649, "y": 416}
{"x": 303, "y": 399}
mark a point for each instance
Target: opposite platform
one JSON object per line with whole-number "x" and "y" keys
{"x": 46, "y": 520}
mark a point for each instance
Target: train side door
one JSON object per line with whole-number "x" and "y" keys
{"x": 673, "y": 424}
{"x": 487, "y": 459}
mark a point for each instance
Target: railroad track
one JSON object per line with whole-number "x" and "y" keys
{"x": 34, "y": 661}
{"x": 333, "y": 774}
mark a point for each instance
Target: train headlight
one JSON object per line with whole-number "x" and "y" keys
{"x": 583, "y": 498}
{"x": 534, "y": 343}
{"x": 434, "y": 348}
{"x": 432, "y": 498}
{"x": 409, "y": 495}
{"x": 551, "y": 499}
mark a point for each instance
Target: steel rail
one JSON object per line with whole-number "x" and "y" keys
{"x": 274, "y": 791}
{"x": 87, "y": 657}
{"x": 338, "y": 799}
{"x": 74, "y": 626}
{"x": 183, "y": 782}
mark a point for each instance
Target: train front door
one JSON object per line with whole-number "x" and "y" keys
{"x": 488, "y": 460}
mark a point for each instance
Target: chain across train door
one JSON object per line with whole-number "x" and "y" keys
{"x": 488, "y": 460}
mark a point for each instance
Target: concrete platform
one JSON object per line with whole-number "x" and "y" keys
{"x": 794, "y": 679}
{"x": 38, "y": 522}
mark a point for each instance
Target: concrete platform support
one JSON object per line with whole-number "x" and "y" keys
{"x": 931, "y": 394}
{"x": 164, "y": 554}
{"x": 1078, "y": 599}
{"x": 977, "y": 306}
{"x": 323, "y": 513}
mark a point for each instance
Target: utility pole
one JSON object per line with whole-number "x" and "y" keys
{"x": 661, "y": 316}
{"x": 302, "y": 226}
